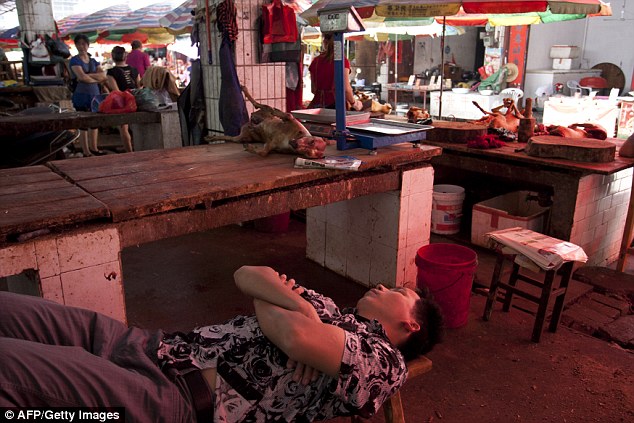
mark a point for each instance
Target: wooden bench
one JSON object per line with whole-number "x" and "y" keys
{"x": 151, "y": 130}
{"x": 393, "y": 407}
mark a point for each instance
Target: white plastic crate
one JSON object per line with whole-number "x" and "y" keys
{"x": 515, "y": 209}
{"x": 564, "y": 52}
{"x": 562, "y": 63}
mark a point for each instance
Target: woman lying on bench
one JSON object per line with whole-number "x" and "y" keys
{"x": 299, "y": 358}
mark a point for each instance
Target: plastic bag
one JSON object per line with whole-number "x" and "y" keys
{"x": 118, "y": 102}
{"x": 146, "y": 99}
{"x": 57, "y": 47}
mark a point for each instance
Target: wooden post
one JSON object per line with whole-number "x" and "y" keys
{"x": 526, "y": 127}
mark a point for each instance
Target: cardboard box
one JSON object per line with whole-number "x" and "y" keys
{"x": 564, "y": 52}
{"x": 562, "y": 63}
{"x": 515, "y": 209}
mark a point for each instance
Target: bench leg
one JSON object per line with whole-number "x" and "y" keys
{"x": 543, "y": 306}
{"x": 509, "y": 292}
{"x": 559, "y": 302}
{"x": 393, "y": 409}
{"x": 495, "y": 280}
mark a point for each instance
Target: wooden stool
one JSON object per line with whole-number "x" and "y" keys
{"x": 542, "y": 301}
{"x": 393, "y": 407}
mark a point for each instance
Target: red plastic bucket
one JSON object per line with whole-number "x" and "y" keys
{"x": 447, "y": 271}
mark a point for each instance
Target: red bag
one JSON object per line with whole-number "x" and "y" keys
{"x": 278, "y": 23}
{"x": 118, "y": 102}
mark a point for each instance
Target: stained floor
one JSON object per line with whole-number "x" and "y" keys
{"x": 482, "y": 372}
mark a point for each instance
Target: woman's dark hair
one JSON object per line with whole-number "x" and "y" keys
{"x": 118, "y": 54}
{"x": 136, "y": 44}
{"x": 327, "y": 41}
{"x": 428, "y": 315}
{"x": 81, "y": 37}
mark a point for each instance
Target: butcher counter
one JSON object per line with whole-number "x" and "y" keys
{"x": 150, "y": 129}
{"x": 589, "y": 200}
{"x": 68, "y": 221}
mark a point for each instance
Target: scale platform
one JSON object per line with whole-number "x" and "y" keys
{"x": 380, "y": 132}
{"x": 321, "y": 122}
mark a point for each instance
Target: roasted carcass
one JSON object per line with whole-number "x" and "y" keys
{"x": 278, "y": 131}
{"x": 579, "y": 130}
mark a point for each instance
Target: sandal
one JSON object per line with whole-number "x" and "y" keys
{"x": 98, "y": 153}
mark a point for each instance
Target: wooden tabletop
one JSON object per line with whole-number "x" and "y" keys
{"x": 510, "y": 153}
{"x": 33, "y": 198}
{"x": 115, "y": 188}
{"x": 21, "y": 125}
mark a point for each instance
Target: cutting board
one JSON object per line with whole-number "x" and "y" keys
{"x": 575, "y": 149}
{"x": 454, "y": 132}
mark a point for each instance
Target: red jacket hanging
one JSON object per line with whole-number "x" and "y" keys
{"x": 278, "y": 23}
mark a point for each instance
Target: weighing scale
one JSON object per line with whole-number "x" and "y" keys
{"x": 377, "y": 132}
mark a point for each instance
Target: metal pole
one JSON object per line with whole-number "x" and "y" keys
{"x": 442, "y": 66}
{"x": 340, "y": 92}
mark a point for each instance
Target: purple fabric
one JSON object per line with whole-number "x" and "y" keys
{"x": 59, "y": 356}
{"x": 138, "y": 60}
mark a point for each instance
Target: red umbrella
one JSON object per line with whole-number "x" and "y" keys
{"x": 66, "y": 23}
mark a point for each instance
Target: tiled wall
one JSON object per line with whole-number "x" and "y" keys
{"x": 600, "y": 211}
{"x": 373, "y": 239}
{"x": 265, "y": 82}
{"x": 81, "y": 269}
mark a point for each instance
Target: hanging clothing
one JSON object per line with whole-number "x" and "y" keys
{"x": 231, "y": 107}
{"x": 278, "y": 22}
{"x": 226, "y": 13}
{"x": 191, "y": 107}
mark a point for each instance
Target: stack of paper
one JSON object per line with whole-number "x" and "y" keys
{"x": 546, "y": 252}
{"x": 329, "y": 162}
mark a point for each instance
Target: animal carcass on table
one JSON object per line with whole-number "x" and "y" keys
{"x": 509, "y": 121}
{"x": 278, "y": 131}
{"x": 579, "y": 130}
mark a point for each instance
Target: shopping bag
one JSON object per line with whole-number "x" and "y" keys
{"x": 118, "y": 102}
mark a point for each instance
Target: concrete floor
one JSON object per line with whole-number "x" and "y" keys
{"x": 482, "y": 372}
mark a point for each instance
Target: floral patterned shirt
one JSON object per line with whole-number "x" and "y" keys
{"x": 254, "y": 385}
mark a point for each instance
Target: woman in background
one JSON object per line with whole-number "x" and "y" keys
{"x": 322, "y": 78}
{"x": 87, "y": 75}
{"x": 123, "y": 77}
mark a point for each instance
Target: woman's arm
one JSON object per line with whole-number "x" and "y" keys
{"x": 111, "y": 83}
{"x": 99, "y": 75}
{"x": 82, "y": 76}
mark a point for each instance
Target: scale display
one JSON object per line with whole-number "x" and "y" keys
{"x": 339, "y": 20}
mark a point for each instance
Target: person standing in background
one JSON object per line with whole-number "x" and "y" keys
{"x": 137, "y": 58}
{"x": 87, "y": 75}
{"x": 322, "y": 78}
{"x": 123, "y": 77}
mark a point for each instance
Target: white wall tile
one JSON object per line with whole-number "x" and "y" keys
{"x": 86, "y": 249}
{"x": 17, "y": 258}
{"x": 47, "y": 257}
{"x": 98, "y": 288}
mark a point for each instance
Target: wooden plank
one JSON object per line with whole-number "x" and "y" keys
{"x": 22, "y": 186}
{"x": 509, "y": 154}
{"x": 27, "y": 175}
{"x": 239, "y": 209}
{"x": 576, "y": 149}
{"x": 22, "y": 170}
{"x": 171, "y": 181}
{"x": 45, "y": 196}
{"x": 455, "y": 132}
{"x": 18, "y": 220}
{"x": 20, "y": 126}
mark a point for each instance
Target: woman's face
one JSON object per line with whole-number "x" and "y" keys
{"x": 82, "y": 46}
